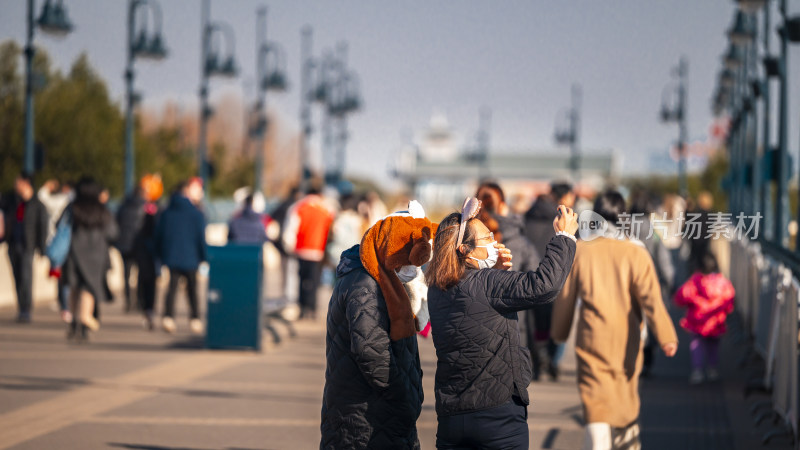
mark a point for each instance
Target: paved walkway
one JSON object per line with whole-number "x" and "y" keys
{"x": 133, "y": 389}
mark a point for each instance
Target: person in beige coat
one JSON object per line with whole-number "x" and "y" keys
{"x": 618, "y": 287}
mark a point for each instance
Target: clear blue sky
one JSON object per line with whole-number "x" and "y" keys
{"x": 416, "y": 57}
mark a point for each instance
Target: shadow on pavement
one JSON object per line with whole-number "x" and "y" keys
{"x": 160, "y": 447}
{"x": 29, "y": 383}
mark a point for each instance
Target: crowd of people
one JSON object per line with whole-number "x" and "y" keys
{"x": 465, "y": 280}
{"x": 73, "y": 226}
{"x": 486, "y": 265}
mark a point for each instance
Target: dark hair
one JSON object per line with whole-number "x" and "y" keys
{"x": 640, "y": 203}
{"x": 179, "y": 187}
{"x": 706, "y": 262}
{"x": 87, "y": 211}
{"x": 609, "y": 205}
{"x": 486, "y": 198}
{"x": 349, "y": 202}
{"x": 447, "y": 264}
{"x": 248, "y": 201}
{"x": 26, "y": 177}
{"x": 559, "y": 190}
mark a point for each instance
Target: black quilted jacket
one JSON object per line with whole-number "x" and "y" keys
{"x": 373, "y": 386}
{"x": 481, "y": 362}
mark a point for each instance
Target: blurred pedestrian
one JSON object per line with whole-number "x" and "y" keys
{"x": 618, "y": 286}
{"x": 93, "y": 231}
{"x": 546, "y": 353}
{"x": 373, "y": 208}
{"x": 708, "y": 297}
{"x": 306, "y": 234}
{"x": 482, "y": 372}
{"x": 279, "y": 217}
{"x": 642, "y": 206}
{"x": 145, "y": 253}
{"x": 130, "y": 219}
{"x": 347, "y": 229}
{"x": 247, "y": 227}
{"x": 539, "y": 218}
{"x": 56, "y": 197}
{"x": 491, "y": 197}
{"x": 181, "y": 246}
{"x": 26, "y": 223}
{"x": 674, "y": 212}
{"x": 699, "y": 239}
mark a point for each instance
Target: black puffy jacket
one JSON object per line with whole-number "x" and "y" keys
{"x": 373, "y": 386}
{"x": 481, "y": 362}
{"x": 130, "y": 219}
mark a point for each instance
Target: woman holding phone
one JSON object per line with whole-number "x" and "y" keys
{"x": 483, "y": 371}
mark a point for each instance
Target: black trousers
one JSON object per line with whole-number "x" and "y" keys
{"x": 538, "y": 321}
{"x": 22, "y": 266}
{"x": 127, "y": 263}
{"x": 502, "y": 427}
{"x": 191, "y": 290}
{"x": 310, "y": 273}
{"x": 146, "y": 282}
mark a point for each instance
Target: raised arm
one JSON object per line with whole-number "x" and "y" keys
{"x": 515, "y": 291}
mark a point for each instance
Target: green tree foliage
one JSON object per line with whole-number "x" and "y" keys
{"x": 164, "y": 152}
{"x": 76, "y": 124}
{"x": 11, "y": 114}
{"x": 226, "y": 178}
{"x": 81, "y": 131}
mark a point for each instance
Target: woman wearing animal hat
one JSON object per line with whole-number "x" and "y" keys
{"x": 373, "y": 380}
{"x": 483, "y": 371}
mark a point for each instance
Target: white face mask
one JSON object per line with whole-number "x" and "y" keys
{"x": 408, "y": 273}
{"x": 490, "y": 260}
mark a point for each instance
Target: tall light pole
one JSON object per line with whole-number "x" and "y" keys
{"x": 142, "y": 46}
{"x": 484, "y": 141}
{"x": 677, "y": 113}
{"x": 305, "y": 105}
{"x": 338, "y": 89}
{"x": 570, "y": 134}
{"x": 271, "y": 63}
{"x": 211, "y": 63}
{"x": 52, "y": 20}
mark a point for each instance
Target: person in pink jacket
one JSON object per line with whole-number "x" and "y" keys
{"x": 708, "y": 297}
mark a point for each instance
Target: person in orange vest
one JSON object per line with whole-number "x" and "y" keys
{"x": 306, "y": 235}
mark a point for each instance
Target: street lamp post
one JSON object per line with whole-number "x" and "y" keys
{"x": 305, "y": 105}
{"x": 677, "y": 113}
{"x": 143, "y": 46}
{"x": 782, "y": 205}
{"x": 52, "y": 20}
{"x": 271, "y": 62}
{"x": 765, "y": 192}
{"x": 211, "y": 64}
{"x": 571, "y": 134}
{"x": 337, "y": 90}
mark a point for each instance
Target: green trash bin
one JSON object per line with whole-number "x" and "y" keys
{"x": 234, "y": 297}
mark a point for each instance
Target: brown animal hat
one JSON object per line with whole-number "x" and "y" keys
{"x": 400, "y": 239}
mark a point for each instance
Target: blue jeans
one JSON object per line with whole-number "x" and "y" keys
{"x": 505, "y": 426}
